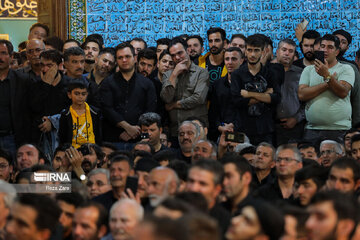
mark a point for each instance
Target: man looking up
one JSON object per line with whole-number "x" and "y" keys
{"x": 307, "y": 48}
{"x": 325, "y": 88}
{"x": 213, "y": 61}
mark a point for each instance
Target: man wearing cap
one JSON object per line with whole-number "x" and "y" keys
{"x": 345, "y": 40}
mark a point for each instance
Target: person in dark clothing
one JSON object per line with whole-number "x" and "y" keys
{"x": 307, "y": 48}
{"x": 125, "y": 96}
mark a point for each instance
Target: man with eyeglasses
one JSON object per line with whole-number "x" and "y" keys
{"x": 34, "y": 48}
{"x": 288, "y": 161}
{"x": 329, "y": 151}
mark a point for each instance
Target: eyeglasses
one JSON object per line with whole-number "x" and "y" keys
{"x": 287, "y": 160}
{"x": 326, "y": 152}
{"x": 3, "y": 166}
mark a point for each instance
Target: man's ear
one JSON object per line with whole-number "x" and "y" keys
{"x": 102, "y": 231}
{"x": 357, "y": 184}
{"x": 44, "y": 234}
{"x": 246, "y": 177}
{"x": 161, "y": 130}
{"x": 344, "y": 228}
{"x": 41, "y": 161}
{"x": 69, "y": 95}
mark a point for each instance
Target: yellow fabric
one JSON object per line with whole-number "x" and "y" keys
{"x": 202, "y": 64}
{"x": 82, "y": 127}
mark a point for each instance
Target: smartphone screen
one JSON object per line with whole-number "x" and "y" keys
{"x": 304, "y": 23}
{"x": 132, "y": 184}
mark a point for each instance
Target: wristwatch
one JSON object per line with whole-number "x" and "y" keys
{"x": 327, "y": 79}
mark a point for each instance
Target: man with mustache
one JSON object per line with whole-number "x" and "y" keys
{"x": 195, "y": 47}
{"x": 74, "y": 62}
{"x": 307, "y": 48}
{"x": 34, "y": 48}
{"x": 92, "y": 49}
{"x": 189, "y": 134}
{"x": 147, "y": 60}
{"x": 213, "y": 61}
{"x": 290, "y": 112}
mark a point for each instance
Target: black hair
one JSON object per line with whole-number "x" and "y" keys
{"x": 250, "y": 149}
{"x": 177, "y": 40}
{"x": 163, "y": 53}
{"x": 317, "y": 40}
{"x": 102, "y": 213}
{"x": 316, "y": 173}
{"x": 73, "y": 198}
{"x": 22, "y": 45}
{"x": 239, "y": 35}
{"x": 41, "y": 167}
{"x": 109, "y": 50}
{"x": 165, "y": 228}
{"x": 355, "y": 138}
{"x": 8, "y": 45}
{"x": 72, "y": 40}
{"x": 121, "y": 158}
{"x": 152, "y": 150}
{"x": 137, "y": 39}
{"x": 99, "y": 39}
{"x": 47, "y": 211}
{"x": 197, "y": 37}
{"x": 255, "y": 41}
{"x": 180, "y": 167}
{"x": 241, "y": 164}
{"x": 148, "y": 54}
{"x": 332, "y": 38}
{"x": 97, "y": 149}
{"x": 109, "y": 145}
{"x": 348, "y": 162}
{"x": 77, "y": 83}
{"x": 149, "y": 118}
{"x": 45, "y": 27}
{"x": 163, "y": 41}
{"x": 177, "y": 204}
{"x": 288, "y": 41}
{"x": 235, "y": 49}
{"x": 88, "y": 40}
{"x": 55, "y": 42}
{"x": 212, "y": 166}
{"x": 6, "y": 155}
{"x": 196, "y": 199}
{"x": 73, "y": 51}
{"x": 310, "y": 34}
{"x": 62, "y": 148}
{"x": 123, "y": 46}
{"x": 18, "y": 58}
{"x": 166, "y": 155}
{"x": 215, "y": 30}
{"x": 53, "y": 55}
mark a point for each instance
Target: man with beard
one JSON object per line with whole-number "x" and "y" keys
{"x": 150, "y": 124}
{"x": 92, "y": 49}
{"x": 195, "y": 47}
{"x": 332, "y": 216}
{"x": 93, "y": 156}
{"x": 125, "y": 96}
{"x": 147, "y": 60}
{"x": 345, "y": 40}
{"x": 34, "y": 48}
{"x": 307, "y": 48}
{"x": 329, "y": 151}
{"x": 189, "y": 134}
{"x": 104, "y": 64}
{"x": 255, "y": 93}
{"x": 185, "y": 88}
{"x": 213, "y": 61}
{"x": 290, "y": 113}
{"x": 325, "y": 87}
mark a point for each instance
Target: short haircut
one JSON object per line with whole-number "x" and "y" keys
{"x": 241, "y": 164}
{"x": 97, "y": 37}
{"x": 317, "y": 40}
{"x": 6, "y": 155}
{"x": 238, "y": 35}
{"x": 248, "y": 150}
{"x": 255, "y": 41}
{"x": 72, "y": 40}
{"x": 102, "y": 213}
{"x": 305, "y": 145}
{"x": 137, "y": 207}
{"x": 287, "y": 41}
{"x": 310, "y": 34}
{"x": 62, "y": 148}
{"x": 197, "y": 128}
{"x": 8, "y": 45}
{"x": 137, "y": 39}
{"x": 192, "y": 118}
{"x": 211, "y": 166}
{"x": 73, "y": 198}
{"x": 55, "y": 42}
{"x": 122, "y": 158}
{"x": 109, "y": 50}
{"x": 73, "y": 51}
{"x": 355, "y": 138}
{"x": 150, "y": 118}
{"x": 77, "y": 83}
{"x": 148, "y": 54}
{"x": 163, "y": 41}
{"x": 217, "y": 30}
{"x": 211, "y": 143}
{"x": 45, "y": 27}
{"x": 347, "y": 162}
{"x": 83, "y": 46}
{"x": 109, "y": 145}
{"x": 235, "y": 49}
{"x": 294, "y": 149}
{"x": 201, "y": 227}
{"x": 124, "y": 45}
{"x": 47, "y": 211}
{"x": 177, "y": 40}
{"x": 197, "y": 37}
{"x": 342, "y": 203}
{"x": 332, "y": 38}
{"x": 176, "y": 204}
{"x": 53, "y": 55}
{"x": 265, "y": 144}
{"x": 163, "y": 53}
{"x": 180, "y": 167}
{"x": 336, "y": 145}
{"x": 316, "y": 173}
{"x": 196, "y": 199}
{"x": 100, "y": 171}
{"x": 9, "y": 193}
{"x": 97, "y": 149}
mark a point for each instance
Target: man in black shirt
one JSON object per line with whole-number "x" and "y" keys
{"x": 255, "y": 94}
{"x": 125, "y": 96}
{"x": 307, "y": 48}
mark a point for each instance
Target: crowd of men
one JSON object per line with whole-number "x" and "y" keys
{"x": 167, "y": 142}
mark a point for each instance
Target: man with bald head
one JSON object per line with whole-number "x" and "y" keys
{"x": 163, "y": 182}
{"x": 203, "y": 149}
{"x": 34, "y": 48}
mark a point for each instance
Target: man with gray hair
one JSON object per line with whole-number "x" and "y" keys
{"x": 203, "y": 149}
{"x": 189, "y": 134}
{"x": 163, "y": 182}
{"x": 7, "y": 197}
{"x": 288, "y": 161}
{"x": 98, "y": 182}
{"x": 329, "y": 151}
{"x": 264, "y": 163}
{"x": 125, "y": 215}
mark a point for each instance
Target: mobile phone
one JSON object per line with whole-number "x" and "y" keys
{"x": 237, "y": 137}
{"x": 132, "y": 184}
{"x": 144, "y": 135}
{"x": 319, "y": 55}
{"x": 304, "y": 23}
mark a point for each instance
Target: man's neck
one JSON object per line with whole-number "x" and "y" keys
{"x": 332, "y": 63}
{"x": 160, "y": 76}
{"x": 127, "y": 75}
{"x": 307, "y": 62}
{"x": 287, "y": 67}
{"x": 238, "y": 199}
{"x": 98, "y": 77}
{"x": 216, "y": 60}
{"x": 117, "y": 191}
{"x": 157, "y": 146}
{"x": 254, "y": 68}
{"x": 88, "y": 67}
{"x": 262, "y": 173}
{"x": 286, "y": 185}
{"x": 186, "y": 154}
{"x": 229, "y": 77}
{"x": 36, "y": 69}
{"x": 74, "y": 76}
{"x": 4, "y": 73}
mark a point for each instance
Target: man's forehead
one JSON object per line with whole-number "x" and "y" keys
{"x": 327, "y": 146}
{"x": 27, "y": 148}
{"x": 187, "y": 127}
{"x": 34, "y": 44}
{"x": 193, "y": 40}
{"x": 176, "y": 48}
{"x": 107, "y": 56}
{"x": 76, "y": 57}
{"x": 327, "y": 43}
{"x": 215, "y": 35}
{"x": 144, "y": 59}
{"x": 232, "y": 54}
{"x": 92, "y": 43}
{"x": 44, "y": 60}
